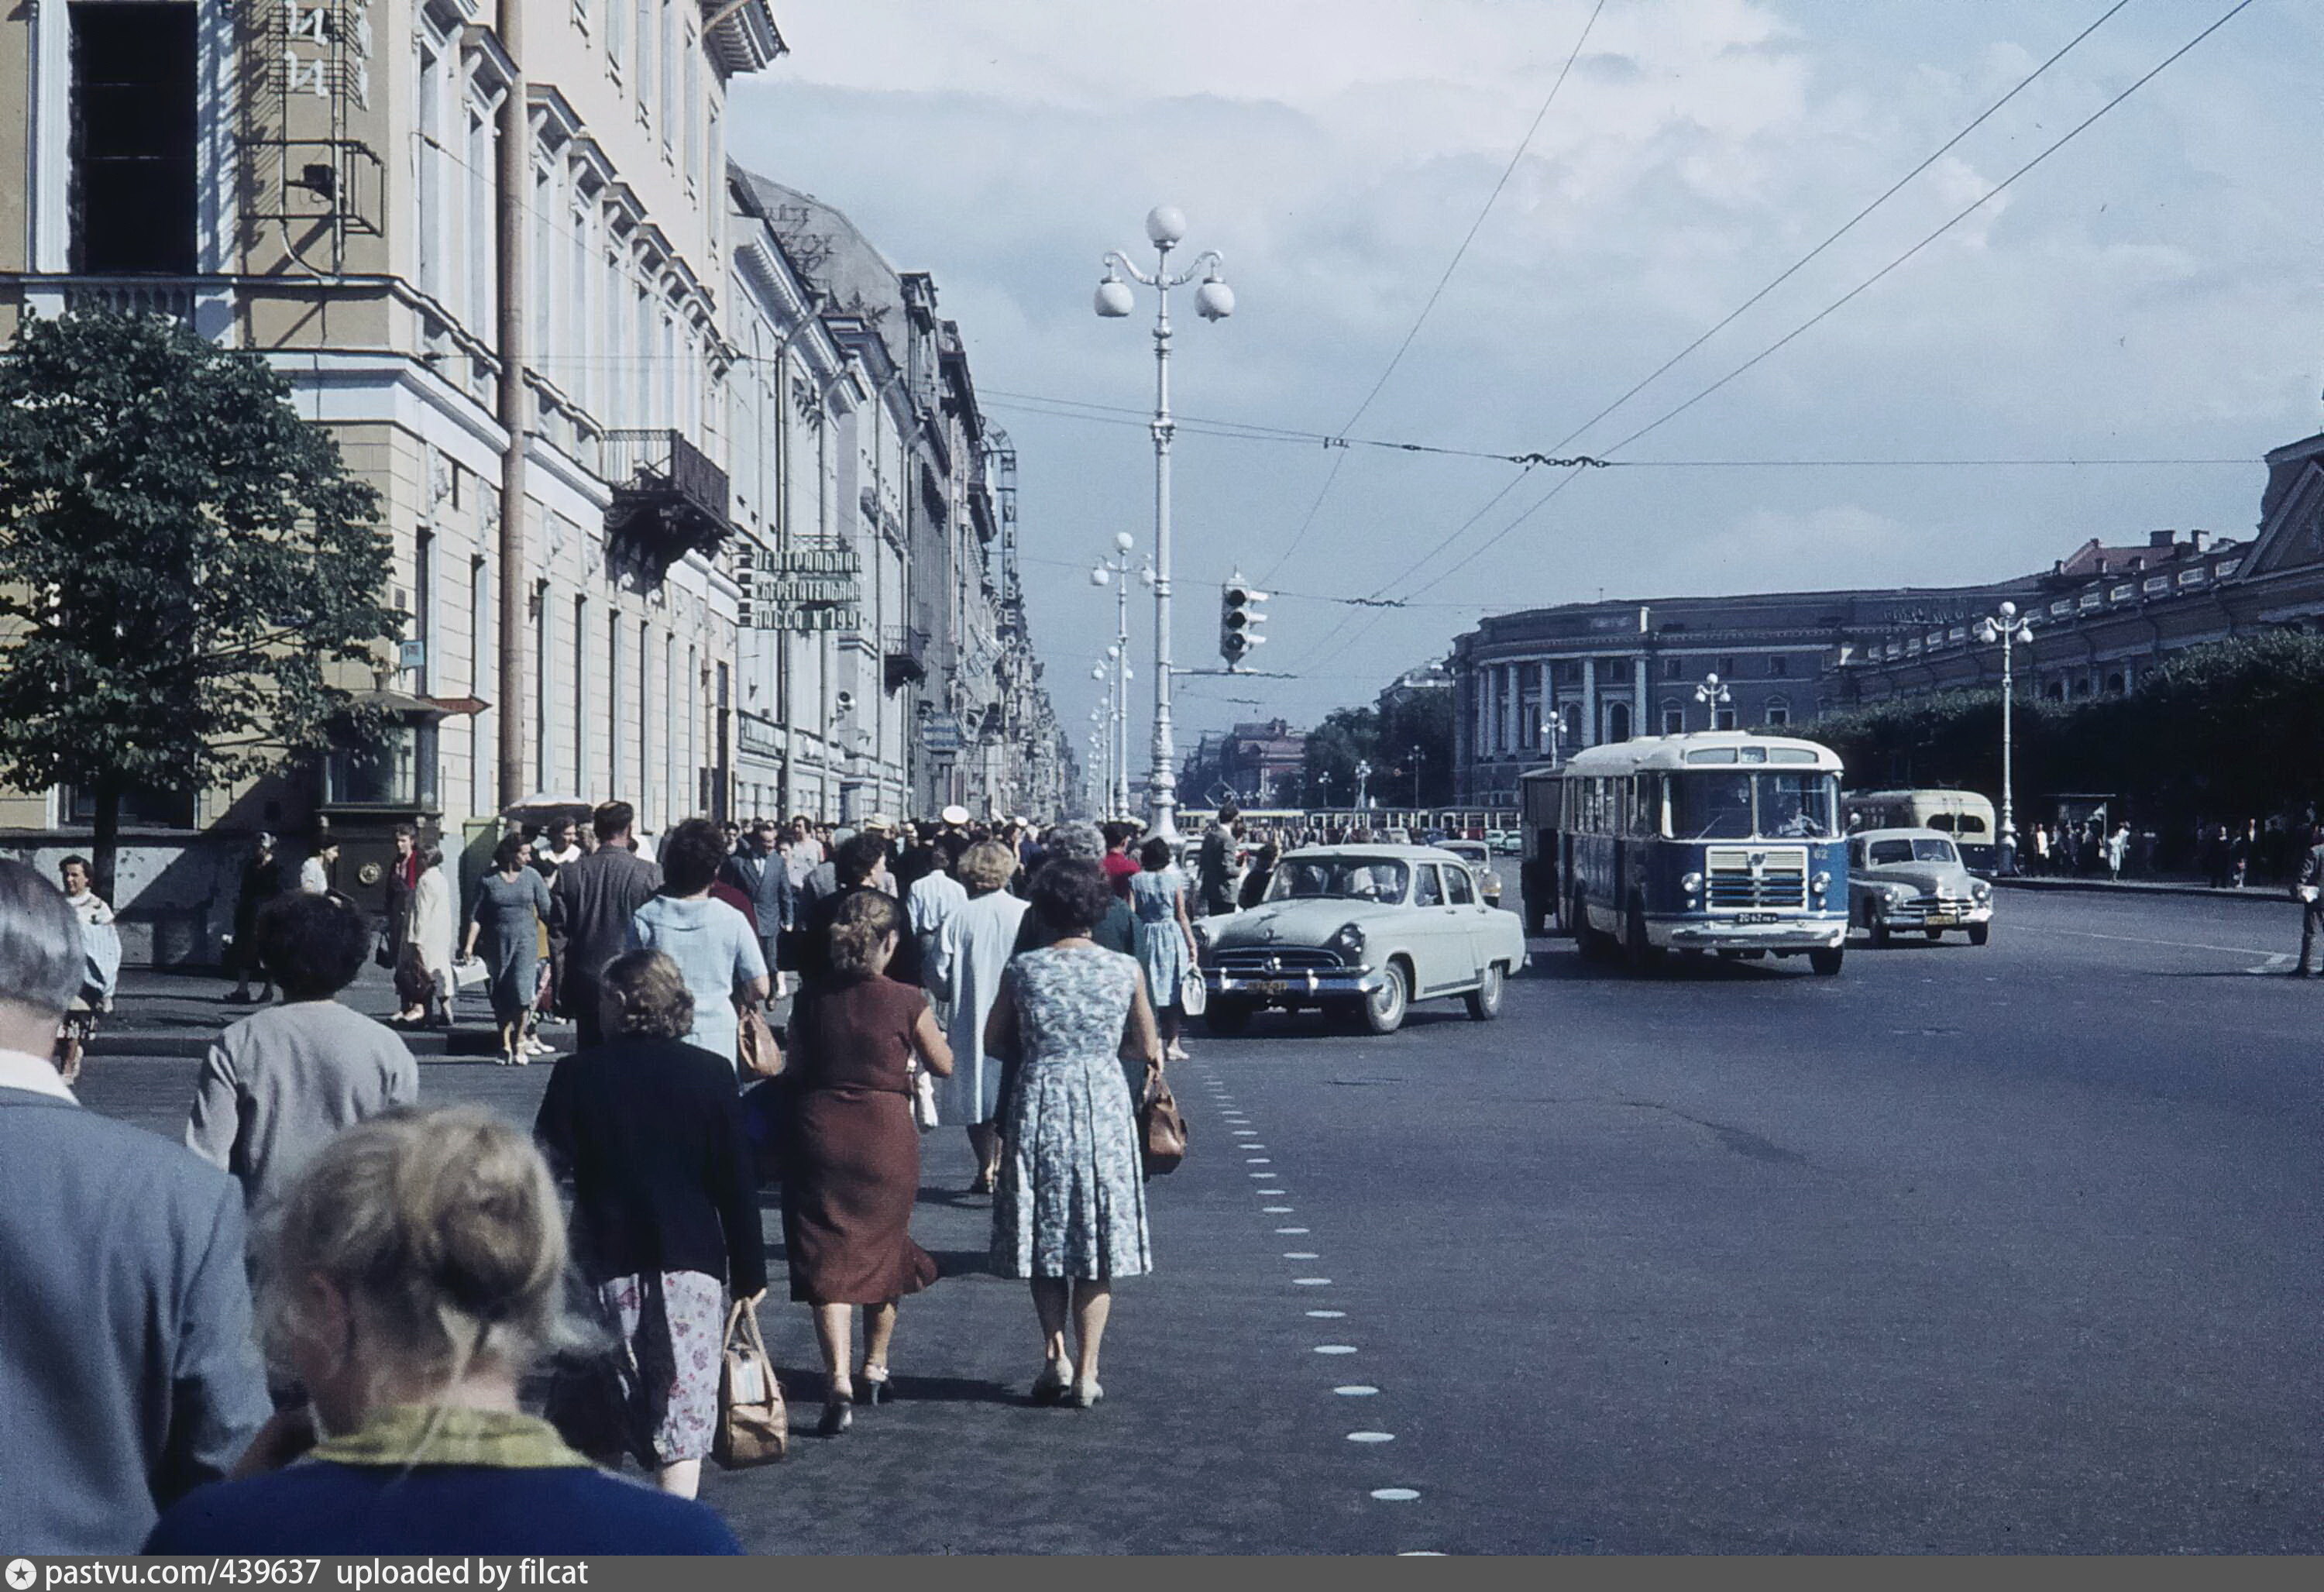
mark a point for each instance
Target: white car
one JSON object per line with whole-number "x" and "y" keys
{"x": 1900, "y": 880}
{"x": 1481, "y": 863}
{"x": 1362, "y": 931}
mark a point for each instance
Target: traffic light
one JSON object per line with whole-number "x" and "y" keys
{"x": 1241, "y": 612}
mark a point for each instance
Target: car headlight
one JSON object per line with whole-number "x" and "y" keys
{"x": 1691, "y": 883}
{"x": 1981, "y": 890}
{"x": 1350, "y": 942}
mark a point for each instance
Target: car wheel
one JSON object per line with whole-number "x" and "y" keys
{"x": 1227, "y": 1017}
{"x": 1485, "y": 1000}
{"x": 1384, "y": 1008}
{"x": 1979, "y": 933}
{"x": 1826, "y": 961}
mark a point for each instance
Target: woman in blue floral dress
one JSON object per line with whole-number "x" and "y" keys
{"x": 1069, "y": 1209}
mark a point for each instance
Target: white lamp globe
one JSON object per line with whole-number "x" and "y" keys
{"x": 2008, "y": 611}
{"x": 1165, "y": 225}
{"x": 1113, "y": 299}
{"x": 1124, "y": 540}
{"x": 1101, "y": 576}
{"x": 1097, "y": 671}
{"x": 1214, "y": 301}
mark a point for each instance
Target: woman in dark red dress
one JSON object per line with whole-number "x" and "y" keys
{"x": 852, "y": 1170}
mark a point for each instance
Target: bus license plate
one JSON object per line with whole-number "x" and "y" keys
{"x": 1757, "y": 917}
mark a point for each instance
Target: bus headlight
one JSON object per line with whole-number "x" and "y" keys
{"x": 1821, "y": 882}
{"x": 1690, "y": 883}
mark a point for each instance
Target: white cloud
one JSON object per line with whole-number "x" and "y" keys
{"x": 2148, "y": 291}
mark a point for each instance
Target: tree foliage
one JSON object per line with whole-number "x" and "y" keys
{"x": 182, "y": 559}
{"x": 1346, "y": 737}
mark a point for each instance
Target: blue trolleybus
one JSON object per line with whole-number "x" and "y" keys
{"x": 1713, "y": 841}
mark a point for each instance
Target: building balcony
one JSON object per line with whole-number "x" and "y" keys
{"x": 906, "y": 648}
{"x": 668, "y": 499}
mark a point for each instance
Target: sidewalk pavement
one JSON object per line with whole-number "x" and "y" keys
{"x": 177, "y": 1012}
{"x": 2269, "y": 894}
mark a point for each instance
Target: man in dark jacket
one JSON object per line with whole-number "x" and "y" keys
{"x": 128, "y": 1373}
{"x": 2309, "y": 893}
{"x": 595, "y": 897}
{"x": 761, "y": 872}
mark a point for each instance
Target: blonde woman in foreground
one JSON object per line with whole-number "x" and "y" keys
{"x": 412, "y": 1276}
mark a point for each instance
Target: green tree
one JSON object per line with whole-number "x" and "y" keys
{"x": 183, "y": 560}
{"x": 1346, "y": 737}
{"x": 1415, "y": 734}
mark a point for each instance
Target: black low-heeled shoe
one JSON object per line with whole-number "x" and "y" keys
{"x": 838, "y": 1415}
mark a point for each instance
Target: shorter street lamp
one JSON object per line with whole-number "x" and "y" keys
{"x": 1713, "y": 692}
{"x": 2005, "y": 627}
{"x": 1364, "y": 778}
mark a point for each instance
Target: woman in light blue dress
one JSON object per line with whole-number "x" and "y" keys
{"x": 1166, "y": 939}
{"x": 1069, "y": 1208}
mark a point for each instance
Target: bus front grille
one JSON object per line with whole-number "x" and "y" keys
{"x": 1755, "y": 877}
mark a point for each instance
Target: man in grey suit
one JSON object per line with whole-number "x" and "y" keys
{"x": 595, "y": 896}
{"x": 128, "y": 1372}
{"x": 759, "y": 871}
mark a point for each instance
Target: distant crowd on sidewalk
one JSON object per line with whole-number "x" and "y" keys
{"x": 327, "y": 1323}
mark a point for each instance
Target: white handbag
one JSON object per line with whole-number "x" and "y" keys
{"x": 923, "y": 1099}
{"x": 469, "y": 973}
{"x": 1193, "y": 994}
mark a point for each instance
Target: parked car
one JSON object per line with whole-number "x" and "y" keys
{"x": 1900, "y": 880}
{"x": 1506, "y": 843}
{"x": 1361, "y": 931}
{"x": 1481, "y": 863}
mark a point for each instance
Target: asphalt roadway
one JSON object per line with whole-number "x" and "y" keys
{"x": 2002, "y": 1250}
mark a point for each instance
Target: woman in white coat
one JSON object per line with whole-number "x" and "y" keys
{"x": 972, "y": 947}
{"x": 435, "y": 925}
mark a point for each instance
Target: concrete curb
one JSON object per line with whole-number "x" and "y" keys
{"x": 2261, "y": 895}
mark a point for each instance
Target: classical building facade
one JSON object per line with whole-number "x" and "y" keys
{"x": 675, "y": 518}
{"x": 1537, "y": 685}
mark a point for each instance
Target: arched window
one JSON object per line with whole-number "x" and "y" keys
{"x": 2114, "y": 684}
{"x": 1618, "y": 721}
{"x": 1779, "y": 710}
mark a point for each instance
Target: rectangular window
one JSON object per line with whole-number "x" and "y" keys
{"x": 688, "y": 155}
{"x": 669, "y": 106}
{"x": 542, "y": 773}
{"x": 423, "y": 605}
{"x": 135, "y": 134}
{"x": 581, "y": 786}
{"x": 1778, "y": 668}
{"x": 645, "y": 694}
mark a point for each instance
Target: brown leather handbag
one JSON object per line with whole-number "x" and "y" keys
{"x": 756, "y": 1054}
{"x": 753, "y": 1426}
{"x": 1161, "y": 1130}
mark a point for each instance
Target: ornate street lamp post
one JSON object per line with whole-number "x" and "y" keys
{"x": 2005, "y": 627}
{"x": 1713, "y": 692}
{"x": 1213, "y": 300}
{"x": 1102, "y": 573}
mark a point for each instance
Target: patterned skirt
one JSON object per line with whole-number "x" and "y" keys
{"x": 671, "y": 1323}
{"x": 1071, "y": 1201}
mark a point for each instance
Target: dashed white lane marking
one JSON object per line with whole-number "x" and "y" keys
{"x": 1270, "y": 1191}
{"x": 1328, "y": 1315}
{"x": 1245, "y": 1133}
{"x": 1286, "y": 1231}
{"x": 1371, "y": 1437}
{"x": 1301, "y": 1254}
{"x": 1275, "y": 1209}
{"x": 1262, "y": 1176}
{"x": 1257, "y": 1160}
{"x": 1335, "y": 1348}
{"x": 1254, "y": 1147}
{"x": 1355, "y": 1390}
{"x": 1395, "y": 1495}
{"x": 2170, "y": 944}
{"x": 1310, "y": 1281}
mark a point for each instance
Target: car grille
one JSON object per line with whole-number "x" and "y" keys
{"x": 1752, "y": 878}
{"x": 1944, "y": 903}
{"x": 1267, "y": 961}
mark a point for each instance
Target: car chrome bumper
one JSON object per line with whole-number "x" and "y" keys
{"x": 1918, "y": 917}
{"x": 1711, "y": 933}
{"x": 1303, "y": 984}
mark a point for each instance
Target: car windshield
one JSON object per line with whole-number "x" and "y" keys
{"x": 1934, "y": 851}
{"x": 1911, "y": 849}
{"x": 1719, "y": 806}
{"x": 1350, "y": 879}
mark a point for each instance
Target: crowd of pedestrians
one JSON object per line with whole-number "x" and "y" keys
{"x": 409, "y": 1263}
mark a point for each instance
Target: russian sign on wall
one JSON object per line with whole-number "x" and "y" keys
{"x": 802, "y": 589}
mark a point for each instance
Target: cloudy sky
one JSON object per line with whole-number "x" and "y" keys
{"x": 2148, "y": 293}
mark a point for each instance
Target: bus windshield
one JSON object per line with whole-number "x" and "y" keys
{"x": 1347, "y": 878}
{"x": 1733, "y": 807}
